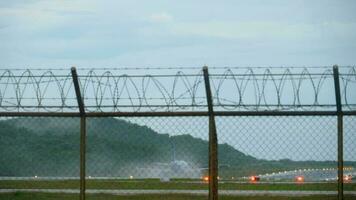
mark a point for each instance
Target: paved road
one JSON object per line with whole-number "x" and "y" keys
{"x": 193, "y": 192}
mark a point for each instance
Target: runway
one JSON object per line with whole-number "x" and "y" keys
{"x": 120, "y": 179}
{"x": 189, "y": 192}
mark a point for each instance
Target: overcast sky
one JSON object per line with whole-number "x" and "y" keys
{"x": 88, "y": 33}
{"x": 184, "y": 33}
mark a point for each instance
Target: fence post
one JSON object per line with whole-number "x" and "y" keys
{"x": 82, "y": 132}
{"x": 213, "y": 141}
{"x": 340, "y": 144}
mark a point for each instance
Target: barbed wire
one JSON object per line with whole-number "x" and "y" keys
{"x": 241, "y": 89}
{"x": 114, "y": 68}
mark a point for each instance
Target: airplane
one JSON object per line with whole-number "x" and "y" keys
{"x": 178, "y": 168}
{"x": 183, "y": 169}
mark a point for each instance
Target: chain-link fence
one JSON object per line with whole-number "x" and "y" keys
{"x": 133, "y": 143}
{"x": 281, "y": 139}
{"x": 39, "y": 153}
{"x": 147, "y": 148}
{"x": 349, "y": 153}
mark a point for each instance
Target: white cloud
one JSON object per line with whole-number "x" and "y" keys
{"x": 91, "y": 31}
{"x": 264, "y": 30}
{"x": 160, "y": 17}
{"x": 43, "y": 14}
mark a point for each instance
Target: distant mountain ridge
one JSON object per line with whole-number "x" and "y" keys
{"x": 50, "y": 147}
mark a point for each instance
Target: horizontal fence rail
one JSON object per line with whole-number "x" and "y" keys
{"x": 278, "y": 124}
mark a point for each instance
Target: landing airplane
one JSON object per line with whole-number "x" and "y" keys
{"x": 181, "y": 168}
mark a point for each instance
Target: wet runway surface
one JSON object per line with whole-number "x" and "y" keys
{"x": 192, "y": 192}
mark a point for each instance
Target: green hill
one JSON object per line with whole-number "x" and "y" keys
{"x": 50, "y": 147}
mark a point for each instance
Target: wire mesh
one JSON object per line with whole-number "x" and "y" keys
{"x": 39, "y": 153}
{"x": 258, "y": 155}
{"x": 289, "y": 154}
{"x": 147, "y": 153}
{"x": 349, "y": 154}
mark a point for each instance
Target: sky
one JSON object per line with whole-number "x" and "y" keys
{"x": 185, "y": 33}
{"x": 272, "y": 138}
{"x": 88, "y": 33}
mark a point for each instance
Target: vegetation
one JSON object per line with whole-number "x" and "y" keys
{"x": 156, "y": 184}
{"x": 50, "y": 147}
{"x": 47, "y": 196}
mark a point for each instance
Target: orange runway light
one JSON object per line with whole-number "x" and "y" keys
{"x": 254, "y": 178}
{"x": 299, "y": 179}
{"x": 206, "y": 178}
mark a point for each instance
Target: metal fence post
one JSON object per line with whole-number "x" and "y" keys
{"x": 82, "y": 132}
{"x": 213, "y": 141}
{"x": 340, "y": 144}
